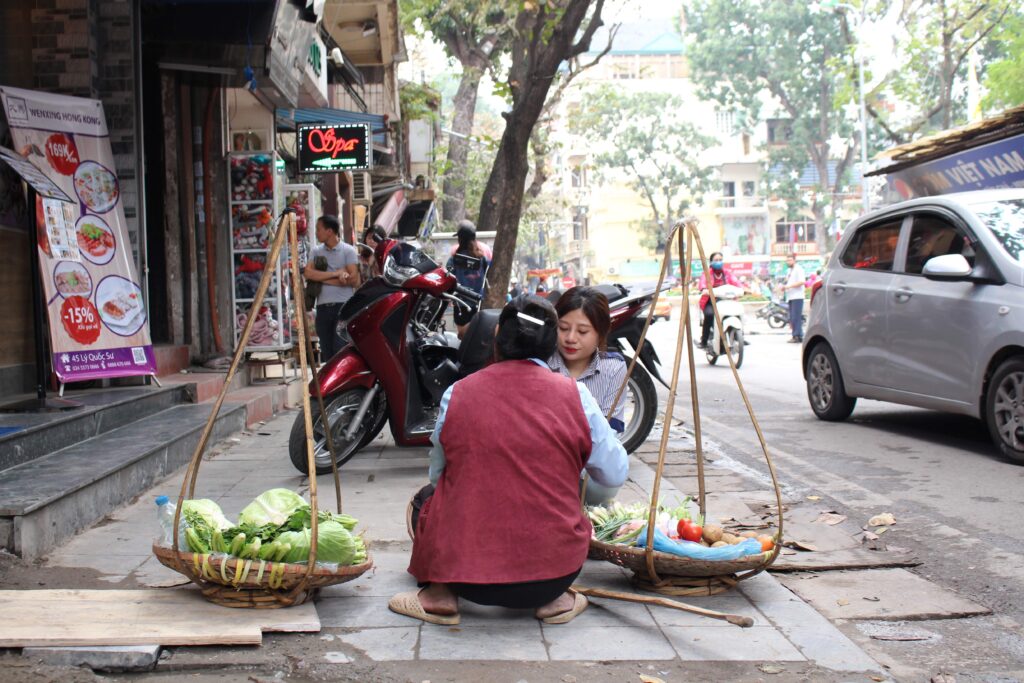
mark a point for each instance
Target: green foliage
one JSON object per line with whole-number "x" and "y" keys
{"x": 419, "y": 101}
{"x": 1004, "y": 79}
{"x": 643, "y": 137}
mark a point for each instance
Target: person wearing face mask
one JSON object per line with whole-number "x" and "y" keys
{"x": 719, "y": 276}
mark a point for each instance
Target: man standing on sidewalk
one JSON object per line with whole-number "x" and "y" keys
{"x": 794, "y": 293}
{"x": 338, "y": 282}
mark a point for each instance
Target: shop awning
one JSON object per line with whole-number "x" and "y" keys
{"x": 288, "y": 118}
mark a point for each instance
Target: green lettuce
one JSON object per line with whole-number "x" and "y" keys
{"x": 209, "y": 511}
{"x": 271, "y": 507}
{"x": 335, "y": 545}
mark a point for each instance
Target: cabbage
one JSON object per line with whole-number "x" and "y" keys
{"x": 209, "y": 511}
{"x": 271, "y": 507}
{"x": 335, "y": 545}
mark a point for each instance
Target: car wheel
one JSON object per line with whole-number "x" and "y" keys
{"x": 1004, "y": 409}
{"x": 825, "y": 389}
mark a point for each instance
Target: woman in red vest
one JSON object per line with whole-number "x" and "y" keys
{"x": 504, "y": 525}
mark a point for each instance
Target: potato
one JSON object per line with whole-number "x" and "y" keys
{"x": 730, "y": 539}
{"x": 712, "y": 533}
{"x": 748, "y": 534}
{"x": 719, "y": 544}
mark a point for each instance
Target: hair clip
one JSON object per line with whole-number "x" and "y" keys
{"x": 530, "y": 319}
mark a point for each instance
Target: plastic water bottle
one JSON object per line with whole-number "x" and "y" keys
{"x": 165, "y": 514}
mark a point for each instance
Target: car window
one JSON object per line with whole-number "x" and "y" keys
{"x": 873, "y": 247}
{"x": 932, "y": 236}
{"x": 1006, "y": 221}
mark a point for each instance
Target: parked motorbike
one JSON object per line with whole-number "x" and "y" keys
{"x": 777, "y": 314}
{"x": 730, "y": 338}
{"x": 400, "y": 360}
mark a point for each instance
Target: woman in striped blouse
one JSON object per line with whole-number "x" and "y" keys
{"x": 583, "y": 324}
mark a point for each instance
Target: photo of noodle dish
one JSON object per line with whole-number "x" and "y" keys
{"x": 119, "y": 302}
{"x": 70, "y": 279}
{"x": 96, "y": 187}
{"x": 95, "y": 240}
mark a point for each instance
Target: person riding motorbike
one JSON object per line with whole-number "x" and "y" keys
{"x": 473, "y": 279}
{"x": 719, "y": 277}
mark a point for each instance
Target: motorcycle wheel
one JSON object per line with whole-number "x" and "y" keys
{"x": 641, "y": 408}
{"x": 777, "y": 321}
{"x": 341, "y": 408}
{"x": 735, "y": 338}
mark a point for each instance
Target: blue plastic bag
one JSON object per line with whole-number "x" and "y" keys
{"x": 696, "y": 551}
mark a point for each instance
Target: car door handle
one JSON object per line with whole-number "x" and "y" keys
{"x": 903, "y": 294}
{"x": 839, "y": 288}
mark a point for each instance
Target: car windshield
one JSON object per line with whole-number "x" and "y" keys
{"x": 1006, "y": 221}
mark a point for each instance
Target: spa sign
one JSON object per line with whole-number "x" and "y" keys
{"x": 325, "y": 148}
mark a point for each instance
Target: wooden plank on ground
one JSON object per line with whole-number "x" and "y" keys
{"x": 138, "y": 617}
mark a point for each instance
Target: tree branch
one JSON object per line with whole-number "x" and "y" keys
{"x": 583, "y": 44}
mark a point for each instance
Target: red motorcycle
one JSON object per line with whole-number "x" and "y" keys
{"x": 399, "y": 359}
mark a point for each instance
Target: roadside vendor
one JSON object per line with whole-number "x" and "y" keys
{"x": 504, "y": 525}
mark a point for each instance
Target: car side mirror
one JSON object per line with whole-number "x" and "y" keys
{"x": 947, "y": 267}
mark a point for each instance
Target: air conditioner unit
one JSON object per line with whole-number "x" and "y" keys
{"x": 362, "y": 192}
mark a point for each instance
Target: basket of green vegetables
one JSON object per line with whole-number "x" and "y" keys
{"x": 283, "y": 549}
{"x": 262, "y": 559}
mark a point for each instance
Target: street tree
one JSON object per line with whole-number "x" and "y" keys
{"x": 929, "y": 63}
{"x": 645, "y": 137}
{"x": 476, "y": 34}
{"x": 776, "y": 58}
{"x": 546, "y": 34}
{"x": 1004, "y": 77}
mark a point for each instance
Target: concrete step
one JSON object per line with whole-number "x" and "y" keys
{"x": 46, "y": 501}
{"x": 35, "y": 435}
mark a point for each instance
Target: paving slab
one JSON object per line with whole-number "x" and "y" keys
{"x": 755, "y": 644}
{"x": 98, "y": 657}
{"x": 515, "y": 641}
{"x": 385, "y": 644}
{"x": 882, "y": 594}
{"x": 853, "y": 558}
{"x": 572, "y": 642}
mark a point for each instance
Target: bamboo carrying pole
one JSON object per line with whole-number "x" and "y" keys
{"x": 738, "y": 620}
{"x": 286, "y": 230}
{"x": 684, "y": 338}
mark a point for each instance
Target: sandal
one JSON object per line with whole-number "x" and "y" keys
{"x": 580, "y": 603}
{"x": 409, "y": 604}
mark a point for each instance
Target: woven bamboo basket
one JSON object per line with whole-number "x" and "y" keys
{"x": 279, "y": 584}
{"x": 664, "y": 572}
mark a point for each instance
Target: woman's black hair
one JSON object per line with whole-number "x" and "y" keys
{"x": 594, "y": 305}
{"x": 379, "y": 233}
{"x": 714, "y": 254}
{"x": 527, "y": 328}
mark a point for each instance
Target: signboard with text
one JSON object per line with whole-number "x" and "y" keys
{"x": 997, "y": 164}
{"x": 324, "y": 148}
{"x": 98, "y": 320}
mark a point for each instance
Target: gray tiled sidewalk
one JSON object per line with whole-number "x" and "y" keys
{"x": 376, "y": 486}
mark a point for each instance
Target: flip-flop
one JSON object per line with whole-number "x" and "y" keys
{"x": 580, "y": 603}
{"x": 409, "y": 604}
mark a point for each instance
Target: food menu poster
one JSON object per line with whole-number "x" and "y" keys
{"x": 98, "y": 320}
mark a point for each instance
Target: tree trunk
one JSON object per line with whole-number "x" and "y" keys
{"x": 453, "y": 207}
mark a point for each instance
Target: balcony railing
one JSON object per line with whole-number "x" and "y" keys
{"x": 755, "y": 202}
{"x": 799, "y": 248}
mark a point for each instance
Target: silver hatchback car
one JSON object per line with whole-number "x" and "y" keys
{"x": 922, "y": 303}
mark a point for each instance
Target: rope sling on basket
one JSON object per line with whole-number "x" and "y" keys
{"x": 665, "y": 572}
{"x": 233, "y": 581}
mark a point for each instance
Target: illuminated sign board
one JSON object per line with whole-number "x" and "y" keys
{"x": 324, "y": 148}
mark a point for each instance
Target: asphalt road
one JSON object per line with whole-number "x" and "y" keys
{"x": 957, "y": 502}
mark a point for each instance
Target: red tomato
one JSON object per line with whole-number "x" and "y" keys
{"x": 689, "y": 530}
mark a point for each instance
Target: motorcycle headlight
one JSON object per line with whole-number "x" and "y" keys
{"x": 395, "y": 274}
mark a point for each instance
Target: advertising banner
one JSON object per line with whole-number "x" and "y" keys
{"x": 324, "y": 148}
{"x": 98, "y": 322}
{"x": 997, "y": 164}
